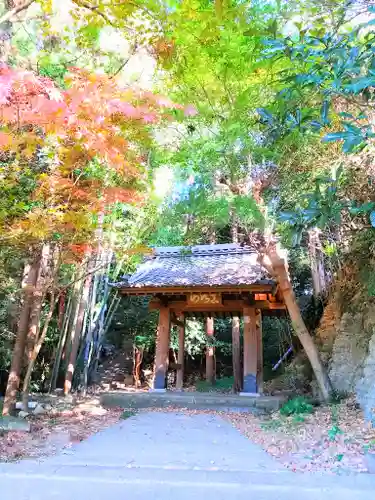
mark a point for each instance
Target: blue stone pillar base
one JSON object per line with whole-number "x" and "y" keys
{"x": 159, "y": 381}
{"x": 250, "y": 383}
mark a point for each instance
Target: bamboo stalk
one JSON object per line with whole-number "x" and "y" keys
{"x": 110, "y": 315}
{"x": 61, "y": 344}
{"x": 76, "y": 333}
{"x": 76, "y": 294}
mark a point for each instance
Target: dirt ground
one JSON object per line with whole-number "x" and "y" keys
{"x": 56, "y": 430}
{"x": 332, "y": 439}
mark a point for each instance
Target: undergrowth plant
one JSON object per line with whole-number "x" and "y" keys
{"x": 127, "y": 414}
{"x": 335, "y": 430}
{"x": 296, "y": 406}
{"x": 224, "y": 384}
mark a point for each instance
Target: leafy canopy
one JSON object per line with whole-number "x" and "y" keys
{"x": 87, "y": 142}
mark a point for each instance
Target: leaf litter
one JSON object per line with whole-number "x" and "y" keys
{"x": 57, "y": 430}
{"x": 333, "y": 439}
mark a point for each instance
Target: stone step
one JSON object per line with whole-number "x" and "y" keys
{"x": 191, "y": 400}
{"x": 14, "y": 424}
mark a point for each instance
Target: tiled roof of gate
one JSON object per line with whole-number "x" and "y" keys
{"x": 202, "y": 265}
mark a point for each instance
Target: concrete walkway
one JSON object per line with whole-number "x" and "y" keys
{"x": 171, "y": 456}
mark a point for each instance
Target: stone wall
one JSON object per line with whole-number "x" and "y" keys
{"x": 348, "y": 353}
{"x": 326, "y": 332}
{"x": 352, "y": 361}
{"x": 365, "y": 388}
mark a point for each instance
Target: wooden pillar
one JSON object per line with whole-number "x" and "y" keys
{"x": 259, "y": 351}
{"x": 210, "y": 352}
{"x": 250, "y": 350}
{"x": 181, "y": 354}
{"x": 162, "y": 349}
{"x": 236, "y": 354}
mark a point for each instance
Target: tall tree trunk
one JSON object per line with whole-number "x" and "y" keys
{"x": 236, "y": 354}
{"x": 236, "y": 339}
{"x": 60, "y": 319}
{"x": 181, "y": 353}
{"x": 77, "y": 334}
{"x": 278, "y": 269}
{"x": 137, "y": 363}
{"x": 260, "y": 351}
{"x": 28, "y": 286}
{"x": 317, "y": 264}
{"x": 37, "y": 303}
{"x": 210, "y": 352}
{"x": 47, "y": 279}
{"x": 35, "y": 352}
{"x": 234, "y": 228}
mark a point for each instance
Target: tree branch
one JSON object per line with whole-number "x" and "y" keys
{"x": 11, "y": 13}
{"x": 95, "y": 9}
{"x": 122, "y": 66}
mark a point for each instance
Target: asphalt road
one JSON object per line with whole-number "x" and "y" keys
{"x": 172, "y": 456}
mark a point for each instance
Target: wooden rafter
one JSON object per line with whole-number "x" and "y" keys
{"x": 229, "y": 306}
{"x": 182, "y": 290}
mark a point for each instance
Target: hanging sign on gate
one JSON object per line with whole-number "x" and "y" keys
{"x": 204, "y": 299}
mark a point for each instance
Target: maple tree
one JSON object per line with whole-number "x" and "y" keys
{"x": 92, "y": 121}
{"x": 87, "y": 143}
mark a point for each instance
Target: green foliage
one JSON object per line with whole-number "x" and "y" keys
{"x": 333, "y": 432}
{"x": 248, "y": 213}
{"x": 128, "y": 414}
{"x": 370, "y": 447}
{"x": 10, "y": 274}
{"x": 277, "y": 339}
{"x": 55, "y": 70}
{"x": 325, "y": 66}
{"x": 337, "y": 397}
{"x": 186, "y": 251}
{"x": 134, "y": 321}
{"x": 296, "y": 406}
{"x": 371, "y": 284}
{"x": 195, "y": 338}
{"x": 272, "y": 425}
{"x": 6, "y": 334}
{"x": 264, "y": 98}
{"x": 88, "y": 35}
{"x": 223, "y": 385}
{"x": 298, "y": 419}
{"x": 167, "y": 235}
{"x": 322, "y": 208}
{"x": 6, "y": 343}
{"x": 367, "y": 277}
